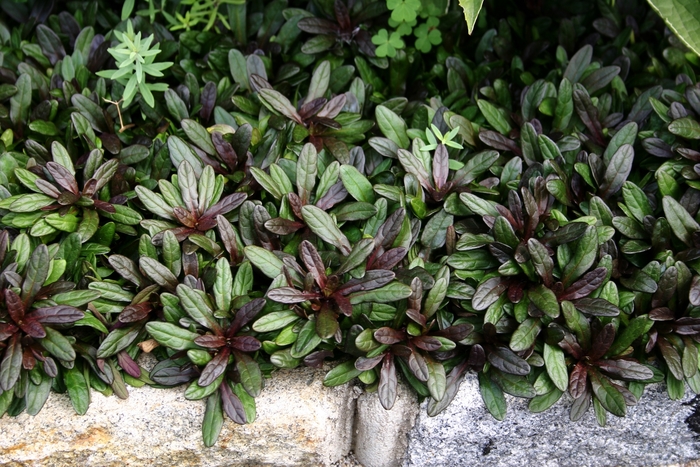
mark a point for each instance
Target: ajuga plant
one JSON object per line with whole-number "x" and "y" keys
{"x": 521, "y": 203}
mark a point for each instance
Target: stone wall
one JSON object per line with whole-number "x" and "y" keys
{"x": 300, "y": 422}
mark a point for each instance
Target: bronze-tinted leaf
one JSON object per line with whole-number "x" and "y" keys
{"x": 389, "y": 336}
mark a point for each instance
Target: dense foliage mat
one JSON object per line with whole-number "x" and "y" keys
{"x": 238, "y": 187}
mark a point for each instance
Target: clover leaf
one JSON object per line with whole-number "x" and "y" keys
{"x": 403, "y": 10}
{"x": 404, "y": 28}
{"x": 387, "y": 44}
{"x": 428, "y": 35}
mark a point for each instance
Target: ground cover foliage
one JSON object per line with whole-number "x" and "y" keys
{"x": 237, "y": 188}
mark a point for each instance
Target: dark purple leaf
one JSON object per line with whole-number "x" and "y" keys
{"x": 60, "y": 314}
{"x": 416, "y": 316}
{"x": 245, "y": 343}
{"x": 456, "y": 333}
{"x": 687, "y": 326}
{"x": 128, "y": 364}
{"x": 291, "y": 295}
{"x": 226, "y": 205}
{"x": 50, "y": 44}
{"x": 215, "y": 367}
{"x": 208, "y": 100}
{"x": 387, "y": 382}
{"x": 133, "y": 313}
{"x": 317, "y": 26}
{"x": 390, "y": 229}
{"x": 14, "y": 305}
{"x": 588, "y": 114}
{"x": 389, "y": 336}
{"x": 626, "y": 370}
{"x": 418, "y": 366}
{"x": 281, "y": 226}
{"x": 505, "y": 360}
{"x": 232, "y": 405}
{"x": 210, "y": 341}
{"x": 315, "y": 359}
{"x": 602, "y": 342}
{"x": 578, "y": 380}
{"x": 310, "y": 109}
{"x": 584, "y": 286}
{"x": 498, "y": 141}
{"x": 245, "y": 315}
{"x": 390, "y": 258}
{"x": 364, "y": 363}
{"x": 427, "y": 343}
{"x": 661, "y": 314}
{"x": 313, "y": 262}
{"x": 596, "y": 307}
{"x": 371, "y": 280}
{"x": 333, "y": 196}
{"x": 63, "y": 177}
{"x": 440, "y": 166}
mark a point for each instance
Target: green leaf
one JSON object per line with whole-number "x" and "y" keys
{"x": 556, "y": 366}
{"x": 223, "y": 285}
{"x": 609, "y": 397}
{"x": 392, "y": 126}
{"x": 357, "y": 184}
{"x": 680, "y": 220}
{"x": 195, "y": 304}
{"x": 686, "y": 127}
{"x": 524, "y": 336}
{"x": 21, "y": 102}
{"x": 198, "y": 135}
{"x": 277, "y": 102}
{"x": 626, "y": 135}
{"x": 681, "y": 17}
{"x": 275, "y": 320}
{"x": 494, "y": 116}
{"x": 172, "y": 336}
{"x": 492, "y": 396}
{"x": 265, "y": 260}
{"x": 583, "y": 258}
{"x": 57, "y": 345}
{"x": 196, "y": 392}
{"x": 78, "y": 389}
{"x": 319, "y": 81}
{"x": 251, "y": 376}
{"x": 391, "y": 292}
{"x": 617, "y": 171}
{"x": 341, "y": 374}
{"x": 213, "y": 418}
{"x": 306, "y": 172}
{"x": 307, "y": 341}
{"x": 471, "y": 8}
{"x": 636, "y": 328}
{"x": 323, "y": 225}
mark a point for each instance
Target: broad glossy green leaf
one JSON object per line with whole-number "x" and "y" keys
{"x": 357, "y": 184}
{"x": 306, "y": 172}
{"x": 524, "y": 336}
{"x": 392, "y": 126}
{"x": 172, "y": 336}
{"x": 341, "y": 374}
{"x": 471, "y": 12}
{"x": 213, "y": 418}
{"x": 389, "y": 293}
{"x": 681, "y": 16}
{"x": 493, "y": 397}
{"x": 323, "y": 225}
{"x": 78, "y": 389}
{"x": 610, "y": 398}
{"x": 307, "y": 341}
{"x": 556, "y": 366}
{"x": 584, "y": 257}
{"x": 57, "y": 345}
{"x": 265, "y": 260}
{"x": 617, "y": 171}
{"x": 680, "y": 220}
{"x": 494, "y": 117}
{"x": 21, "y": 102}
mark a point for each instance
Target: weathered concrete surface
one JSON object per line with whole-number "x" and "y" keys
{"x": 381, "y": 435}
{"x": 654, "y": 433}
{"x": 299, "y": 422}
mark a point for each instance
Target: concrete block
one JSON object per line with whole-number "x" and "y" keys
{"x": 655, "y": 432}
{"x": 381, "y": 436}
{"x": 300, "y": 422}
